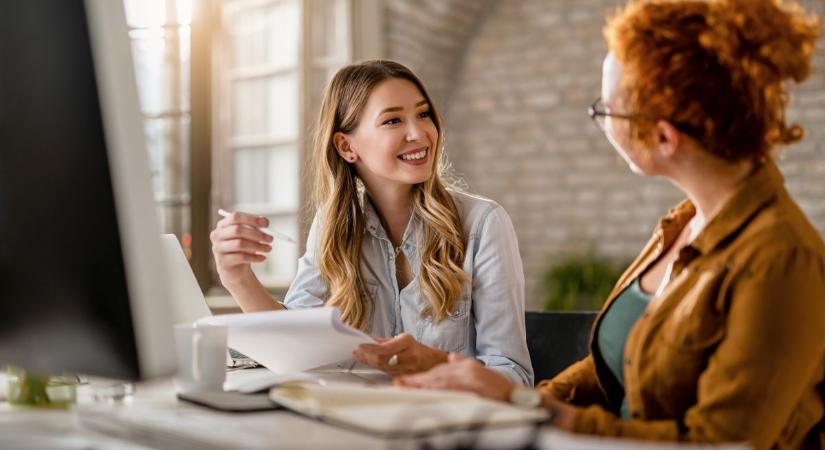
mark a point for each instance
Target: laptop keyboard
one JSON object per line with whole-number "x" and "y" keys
{"x": 239, "y": 359}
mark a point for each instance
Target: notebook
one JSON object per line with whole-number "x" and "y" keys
{"x": 390, "y": 411}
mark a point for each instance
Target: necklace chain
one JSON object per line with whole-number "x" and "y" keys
{"x": 397, "y": 249}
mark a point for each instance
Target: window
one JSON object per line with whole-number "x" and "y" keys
{"x": 274, "y": 60}
{"x": 270, "y": 60}
{"x": 159, "y": 31}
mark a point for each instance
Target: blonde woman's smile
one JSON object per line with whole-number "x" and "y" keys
{"x": 416, "y": 157}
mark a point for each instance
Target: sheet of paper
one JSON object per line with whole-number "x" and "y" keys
{"x": 248, "y": 381}
{"x": 291, "y": 341}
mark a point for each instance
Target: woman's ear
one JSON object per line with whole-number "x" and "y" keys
{"x": 668, "y": 138}
{"x": 342, "y": 145}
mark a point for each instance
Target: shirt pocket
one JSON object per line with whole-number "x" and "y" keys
{"x": 372, "y": 290}
{"x": 688, "y": 336}
{"x": 451, "y": 333}
{"x": 695, "y": 323}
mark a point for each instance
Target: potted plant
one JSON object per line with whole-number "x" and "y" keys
{"x": 579, "y": 283}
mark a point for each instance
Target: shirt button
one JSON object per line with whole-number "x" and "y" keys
{"x": 627, "y": 361}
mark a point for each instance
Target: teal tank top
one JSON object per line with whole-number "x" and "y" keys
{"x": 615, "y": 326}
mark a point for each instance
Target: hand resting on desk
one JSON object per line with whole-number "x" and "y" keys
{"x": 411, "y": 356}
{"x": 468, "y": 374}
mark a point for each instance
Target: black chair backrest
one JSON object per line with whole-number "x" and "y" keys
{"x": 556, "y": 340}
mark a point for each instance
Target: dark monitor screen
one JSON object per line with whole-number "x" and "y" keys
{"x": 64, "y": 299}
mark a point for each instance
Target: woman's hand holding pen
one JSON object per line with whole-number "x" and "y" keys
{"x": 237, "y": 242}
{"x": 400, "y": 355}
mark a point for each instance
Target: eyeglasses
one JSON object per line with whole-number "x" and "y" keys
{"x": 598, "y": 113}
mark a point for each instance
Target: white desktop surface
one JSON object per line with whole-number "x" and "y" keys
{"x": 155, "y": 419}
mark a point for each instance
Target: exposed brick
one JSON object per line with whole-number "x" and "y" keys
{"x": 513, "y": 79}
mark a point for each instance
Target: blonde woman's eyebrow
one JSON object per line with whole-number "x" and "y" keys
{"x": 392, "y": 109}
{"x": 400, "y": 108}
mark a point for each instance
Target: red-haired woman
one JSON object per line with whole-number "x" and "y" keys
{"x": 717, "y": 331}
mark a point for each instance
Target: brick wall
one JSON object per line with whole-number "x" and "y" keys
{"x": 513, "y": 79}
{"x": 431, "y": 37}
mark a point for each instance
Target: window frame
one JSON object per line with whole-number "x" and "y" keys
{"x": 360, "y": 44}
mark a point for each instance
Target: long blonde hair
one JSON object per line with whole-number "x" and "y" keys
{"x": 337, "y": 200}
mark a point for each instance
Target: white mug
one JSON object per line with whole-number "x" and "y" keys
{"x": 201, "y": 351}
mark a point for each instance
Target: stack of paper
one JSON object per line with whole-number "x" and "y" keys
{"x": 291, "y": 341}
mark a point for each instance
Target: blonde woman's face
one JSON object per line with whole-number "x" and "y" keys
{"x": 395, "y": 137}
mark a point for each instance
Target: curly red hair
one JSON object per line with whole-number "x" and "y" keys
{"x": 715, "y": 69}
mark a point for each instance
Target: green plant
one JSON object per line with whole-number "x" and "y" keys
{"x": 579, "y": 283}
{"x": 28, "y": 389}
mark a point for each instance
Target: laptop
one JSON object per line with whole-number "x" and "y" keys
{"x": 190, "y": 305}
{"x": 188, "y": 302}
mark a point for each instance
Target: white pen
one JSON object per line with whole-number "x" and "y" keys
{"x": 273, "y": 233}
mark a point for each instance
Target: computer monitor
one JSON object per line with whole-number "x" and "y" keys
{"x": 82, "y": 280}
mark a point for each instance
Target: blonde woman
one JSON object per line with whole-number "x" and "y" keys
{"x": 426, "y": 269}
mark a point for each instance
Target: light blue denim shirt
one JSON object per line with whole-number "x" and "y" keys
{"x": 488, "y": 320}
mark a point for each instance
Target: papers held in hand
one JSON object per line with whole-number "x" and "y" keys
{"x": 292, "y": 341}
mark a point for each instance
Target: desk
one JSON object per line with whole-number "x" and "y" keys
{"x": 154, "y": 419}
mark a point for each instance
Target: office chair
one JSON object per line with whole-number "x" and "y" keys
{"x": 557, "y": 339}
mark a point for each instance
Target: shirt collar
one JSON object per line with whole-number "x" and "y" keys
{"x": 673, "y": 222}
{"x": 376, "y": 228}
{"x": 757, "y": 189}
{"x": 372, "y": 221}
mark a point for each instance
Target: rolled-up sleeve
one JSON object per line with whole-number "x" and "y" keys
{"x": 578, "y": 384}
{"x": 498, "y": 298}
{"x": 308, "y": 289}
